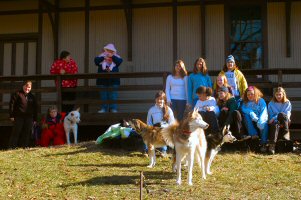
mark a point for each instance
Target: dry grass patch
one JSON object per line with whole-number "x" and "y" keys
{"x": 87, "y": 171}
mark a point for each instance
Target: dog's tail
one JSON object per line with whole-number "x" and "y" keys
{"x": 168, "y": 133}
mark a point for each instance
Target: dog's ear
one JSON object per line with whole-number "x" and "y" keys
{"x": 224, "y": 130}
{"x": 78, "y": 109}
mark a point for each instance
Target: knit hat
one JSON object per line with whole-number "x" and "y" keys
{"x": 110, "y": 47}
{"x": 223, "y": 89}
{"x": 230, "y": 58}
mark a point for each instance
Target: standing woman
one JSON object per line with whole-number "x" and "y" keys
{"x": 235, "y": 77}
{"x": 66, "y": 65}
{"x": 176, "y": 89}
{"x": 160, "y": 115}
{"x": 279, "y": 110}
{"x": 255, "y": 115}
{"x": 198, "y": 78}
{"x": 22, "y": 112}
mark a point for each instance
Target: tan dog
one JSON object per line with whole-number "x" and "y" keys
{"x": 189, "y": 141}
{"x": 152, "y": 137}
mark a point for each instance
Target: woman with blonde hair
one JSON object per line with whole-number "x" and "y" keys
{"x": 176, "y": 89}
{"x": 221, "y": 81}
{"x": 198, "y": 78}
{"x": 255, "y": 115}
{"x": 279, "y": 110}
{"x": 235, "y": 77}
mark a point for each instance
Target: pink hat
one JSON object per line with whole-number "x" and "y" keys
{"x": 110, "y": 47}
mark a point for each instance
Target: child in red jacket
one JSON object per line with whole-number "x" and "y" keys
{"x": 53, "y": 132}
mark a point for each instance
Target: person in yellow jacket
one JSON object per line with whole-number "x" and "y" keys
{"x": 235, "y": 77}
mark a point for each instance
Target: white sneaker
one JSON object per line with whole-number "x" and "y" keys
{"x": 101, "y": 111}
{"x": 114, "y": 111}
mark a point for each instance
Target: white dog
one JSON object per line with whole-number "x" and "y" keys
{"x": 70, "y": 125}
{"x": 189, "y": 139}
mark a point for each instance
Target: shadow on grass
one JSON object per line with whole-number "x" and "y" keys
{"x": 106, "y": 180}
{"x": 154, "y": 176}
{"x": 110, "y": 165}
{"x": 109, "y": 148}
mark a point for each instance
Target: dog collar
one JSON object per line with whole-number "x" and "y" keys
{"x": 186, "y": 132}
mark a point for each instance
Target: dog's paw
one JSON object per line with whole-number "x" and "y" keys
{"x": 204, "y": 177}
{"x": 190, "y": 183}
{"x": 150, "y": 166}
{"x": 209, "y": 173}
{"x": 179, "y": 182}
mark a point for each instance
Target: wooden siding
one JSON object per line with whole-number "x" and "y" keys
{"x": 11, "y": 24}
{"x": 18, "y": 5}
{"x": 189, "y": 35}
{"x": 215, "y": 51}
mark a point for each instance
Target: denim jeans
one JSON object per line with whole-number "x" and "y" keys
{"x": 162, "y": 149}
{"x": 253, "y": 129}
{"x": 178, "y": 108}
{"x": 109, "y": 95}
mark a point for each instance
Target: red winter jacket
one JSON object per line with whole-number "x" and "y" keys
{"x": 69, "y": 68}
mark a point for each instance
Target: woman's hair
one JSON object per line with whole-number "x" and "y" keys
{"x": 64, "y": 54}
{"x": 27, "y": 82}
{"x": 51, "y": 108}
{"x": 204, "y": 90}
{"x": 258, "y": 94}
{"x": 183, "y": 71}
{"x": 161, "y": 94}
{"x": 280, "y": 89}
{"x": 221, "y": 102}
{"x": 225, "y": 82}
{"x": 204, "y": 69}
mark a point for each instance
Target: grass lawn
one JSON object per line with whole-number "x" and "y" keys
{"x": 87, "y": 171}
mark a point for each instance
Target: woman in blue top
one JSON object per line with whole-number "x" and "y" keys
{"x": 279, "y": 110}
{"x": 255, "y": 114}
{"x": 198, "y": 78}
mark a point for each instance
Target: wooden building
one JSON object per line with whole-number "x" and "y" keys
{"x": 149, "y": 34}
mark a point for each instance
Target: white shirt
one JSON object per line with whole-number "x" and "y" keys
{"x": 176, "y": 88}
{"x": 210, "y": 102}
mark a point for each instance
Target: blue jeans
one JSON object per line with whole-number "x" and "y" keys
{"x": 253, "y": 129}
{"x": 109, "y": 95}
{"x": 178, "y": 107}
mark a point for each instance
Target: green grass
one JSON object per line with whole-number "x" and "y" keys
{"x": 87, "y": 171}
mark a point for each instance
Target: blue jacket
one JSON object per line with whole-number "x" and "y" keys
{"x": 258, "y": 112}
{"x": 112, "y": 81}
{"x": 194, "y": 82}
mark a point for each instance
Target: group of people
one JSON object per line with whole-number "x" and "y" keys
{"x": 229, "y": 101}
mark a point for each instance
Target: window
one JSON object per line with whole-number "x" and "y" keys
{"x": 246, "y": 43}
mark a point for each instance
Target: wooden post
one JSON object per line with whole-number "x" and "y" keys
{"x": 279, "y": 78}
{"x": 141, "y": 185}
{"x": 59, "y": 92}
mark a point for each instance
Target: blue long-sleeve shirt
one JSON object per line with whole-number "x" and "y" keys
{"x": 194, "y": 82}
{"x": 257, "y": 111}
{"x": 155, "y": 116}
{"x": 274, "y": 108}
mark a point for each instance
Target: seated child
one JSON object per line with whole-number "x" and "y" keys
{"x": 53, "y": 132}
{"x": 279, "y": 110}
{"x": 208, "y": 108}
{"x": 255, "y": 115}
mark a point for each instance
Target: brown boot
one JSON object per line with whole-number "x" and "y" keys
{"x": 272, "y": 148}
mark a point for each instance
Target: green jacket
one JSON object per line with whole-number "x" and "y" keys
{"x": 232, "y": 105}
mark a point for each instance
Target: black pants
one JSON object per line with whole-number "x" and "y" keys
{"x": 279, "y": 129}
{"x": 235, "y": 122}
{"x": 21, "y": 133}
{"x": 68, "y": 96}
{"x": 211, "y": 119}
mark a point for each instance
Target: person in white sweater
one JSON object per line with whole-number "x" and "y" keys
{"x": 208, "y": 108}
{"x": 279, "y": 110}
{"x": 176, "y": 89}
